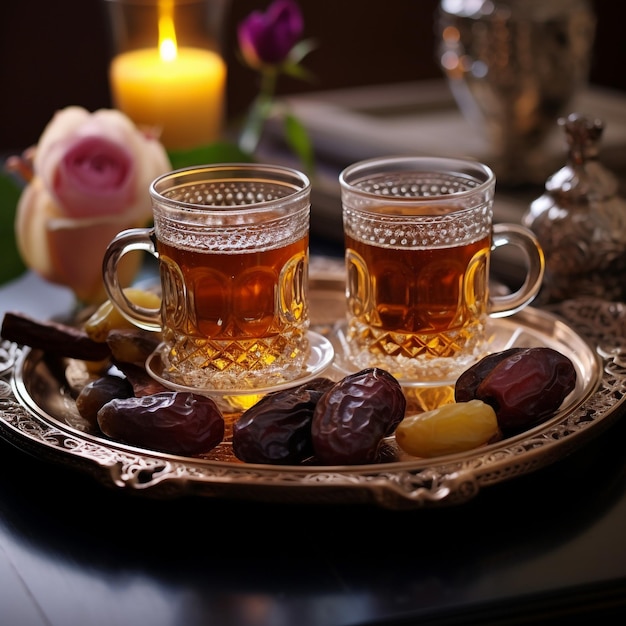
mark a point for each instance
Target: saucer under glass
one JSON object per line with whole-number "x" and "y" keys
{"x": 233, "y": 399}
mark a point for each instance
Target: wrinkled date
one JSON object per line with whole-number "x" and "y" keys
{"x": 351, "y": 420}
{"x": 467, "y": 383}
{"x": 95, "y": 394}
{"x": 171, "y": 421}
{"x": 524, "y": 388}
{"x": 277, "y": 429}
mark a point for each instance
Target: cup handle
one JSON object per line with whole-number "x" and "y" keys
{"x": 524, "y": 239}
{"x": 124, "y": 242}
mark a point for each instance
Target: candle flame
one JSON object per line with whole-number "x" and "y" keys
{"x": 168, "y": 48}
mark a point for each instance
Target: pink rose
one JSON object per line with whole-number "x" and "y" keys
{"x": 91, "y": 174}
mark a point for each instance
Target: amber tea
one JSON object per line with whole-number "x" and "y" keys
{"x": 232, "y": 245}
{"x": 406, "y": 302}
{"x": 234, "y": 311}
{"x": 418, "y": 238}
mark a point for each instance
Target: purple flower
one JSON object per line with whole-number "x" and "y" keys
{"x": 268, "y": 38}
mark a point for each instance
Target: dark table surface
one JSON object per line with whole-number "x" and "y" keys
{"x": 536, "y": 548}
{"x": 546, "y": 547}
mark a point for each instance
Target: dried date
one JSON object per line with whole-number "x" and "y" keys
{"x": 132, "y": 345}
{"x": 468, "y": 381}
{"x": 142, "y": 383}
{"x": 351, "y": 420}
{"x": 527, "y": 387}
{"x": 95, "y": 394}
{"x": 277, "y": 429}
{"x": 171, "y": 421}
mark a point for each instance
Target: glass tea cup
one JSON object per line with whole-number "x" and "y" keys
{"x": 232, "y": 247}
{"x": 419, "y": 235}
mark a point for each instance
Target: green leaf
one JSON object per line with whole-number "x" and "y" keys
{"x": 11, "y": 264}
{"x": 300, "y": 50}
{"x": 293, "y": 64}
{"x": 299, "y": 141}
{"x": 219, "y": 152}
{"x": 299, "y": 72}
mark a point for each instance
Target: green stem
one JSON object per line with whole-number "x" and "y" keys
{"x": 259, "y": 112}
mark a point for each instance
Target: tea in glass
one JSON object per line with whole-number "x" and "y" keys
{"x": 418, "y": 239}
{"x": 232, "y": 243}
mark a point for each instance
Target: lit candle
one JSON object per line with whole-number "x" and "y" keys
{"x": 183, "y": 97}
{"x": 179, "y": 90}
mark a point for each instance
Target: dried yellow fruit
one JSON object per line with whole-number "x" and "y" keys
{"x": 107, "y": 317}
{"x": 448, "y": 429}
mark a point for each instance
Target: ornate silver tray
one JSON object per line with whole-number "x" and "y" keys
{"x": 38, "y": 415}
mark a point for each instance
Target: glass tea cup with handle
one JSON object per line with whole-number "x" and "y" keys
{"x": 232, "y": 247}
{"x": 419, "y": 235}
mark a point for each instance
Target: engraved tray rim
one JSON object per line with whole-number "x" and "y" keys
{"x": 397, "y": 485}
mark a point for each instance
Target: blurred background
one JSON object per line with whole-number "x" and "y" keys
{"x": 54, "y": 54}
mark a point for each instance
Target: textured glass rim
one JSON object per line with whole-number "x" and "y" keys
{"x": 471, "y": 169}
{"x": 229, "y": 172}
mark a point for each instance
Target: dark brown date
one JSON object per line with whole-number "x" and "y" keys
{"x": 142, "y": 383}
{"x": 527, "y": 387}
{"x": 95, "y": 394}
{"x": 467, "y": 383}
{"x": 132, "y": 345}
{"x": 277, "y": 429}
{"x": 171, "y": 421}
{"x": 351, "y": 420}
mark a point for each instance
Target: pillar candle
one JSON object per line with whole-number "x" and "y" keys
{"x": 183, "y": 97}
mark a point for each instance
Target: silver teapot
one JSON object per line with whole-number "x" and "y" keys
{"x": 580, "y": 221}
